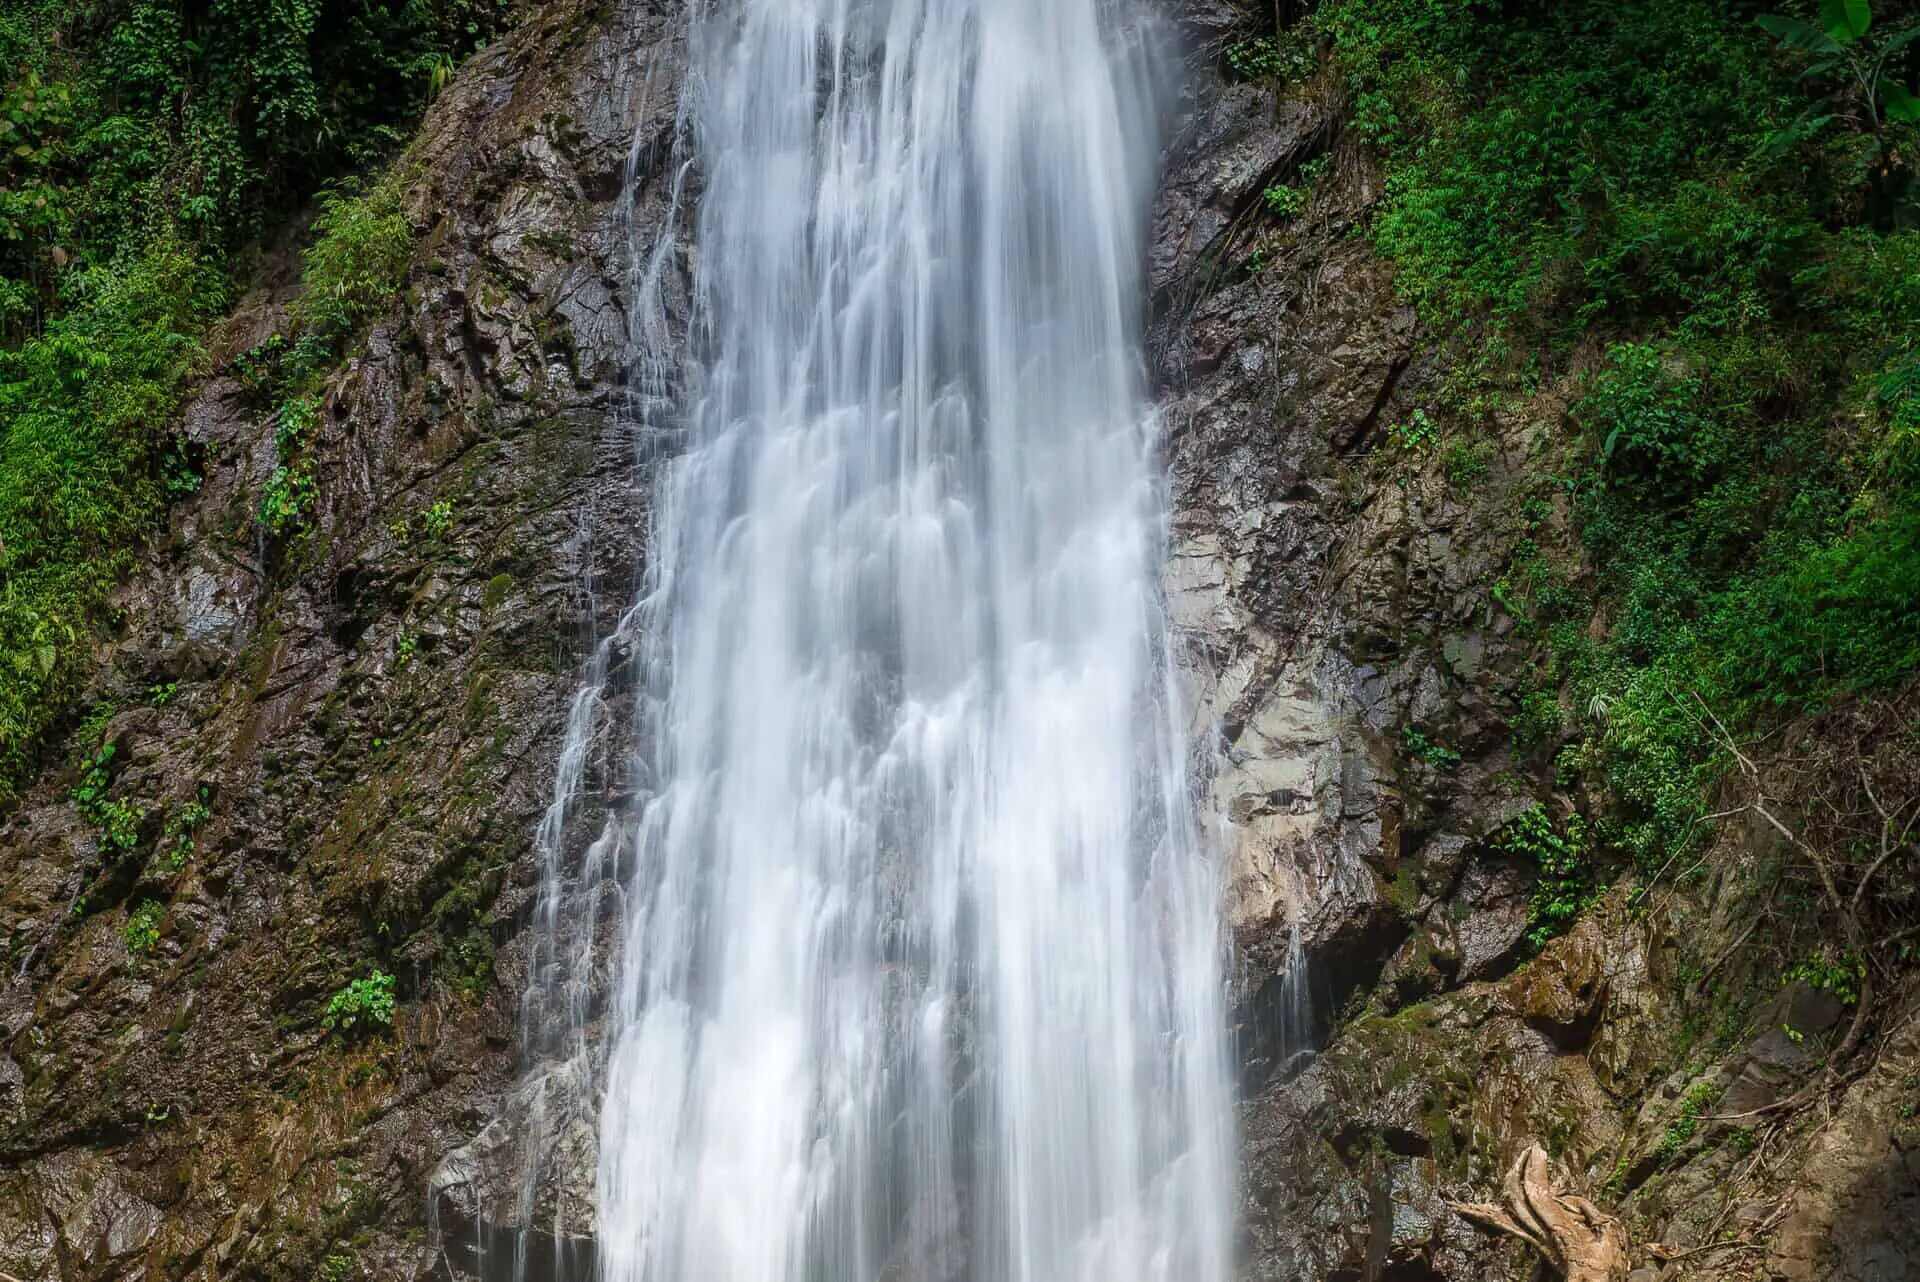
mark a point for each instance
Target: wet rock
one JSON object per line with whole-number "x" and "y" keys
{"x": 72, "y": 1214}
{"x": 1564, "y": 990}
{"x": 530, "y": 1172}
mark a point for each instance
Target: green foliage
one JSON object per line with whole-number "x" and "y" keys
{"x": 1729, "y": 209}
{"x": 141, "y": 143}
{"x": 1466, "y": 464}
{"x": 1652, "y": 425}
{"x": 1284, "y": 200}
{"x": 118, "y": 821}
{"x": 1565, "y": 886}
{"x": 1700, "y": 1097}
{"x": 361, "y": 1005}
{"x": 176, "y": 839}
{"x": 291, "y": 488}
{"x": 1863, "y": 75}
{"x": 1416, "y": 432}
{"x": 81, "y": 406}
{"x": 364, "y": 242}
{"x": 1538, "y": 722}
{"x": 1839, "y": 974}
{"x": 1439, "y": 756}
{"x": 1284, "y": 57}
{"x": 142, "y": 931}
{"x": 353, "y": 269}
{"x": 202, "y": 116}
{"x": 437, "y": 520}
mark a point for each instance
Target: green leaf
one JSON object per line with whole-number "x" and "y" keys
{"x": 1896, "y": 43}
{"x": 1807, "y": 126}
{"x": 1845, "y": 20}
{"x": 1901, "y": 105}
{"x": 1798, "y": 35}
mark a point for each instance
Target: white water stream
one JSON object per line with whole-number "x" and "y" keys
{"x": 919, "y": 971}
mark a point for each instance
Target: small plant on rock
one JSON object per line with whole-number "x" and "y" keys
{"x": 1839, "y": 975}
{"x": 1700, "y": 1097}
{"x": 1466, "y": 464}
{"x": 118, "y": 822}
{"x": 361, "y": 1005}
{"x": 1437, "y": 755}
{"x": 176, "y": 841}
{"x": 437, "y": 520}
{"x": 1417, "y": 432}
{"x": 142, "y": 931}
{"x": 1565, "y": 888}
{"x": 292, "y": 488}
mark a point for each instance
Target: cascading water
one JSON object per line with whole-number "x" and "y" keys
{"x": 919, "y": 968}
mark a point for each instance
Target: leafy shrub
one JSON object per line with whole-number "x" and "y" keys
{"x": 437, "y": 520}
{"x": 1648, "y": 423}
{"x": 176, "y": 840}
{"x": 1839, "y": 974}
{"x": 1439, "y": 756}
{"x": 1289, "y": 200}
{"x": 1288, "y": 56}
{"x": 1700, "y": 1097}
{"x": 1729, "y": 208}
{"x": 79, "y": 406}
{"x": 1466, "y": 464}
{"x": 291, "y": 488}
{"x": 1565, "y": 886}
{"x": 361, "y": 1005}
{"x": 118, "y": 821}
{"x": 1283, "y": 201}
{"x": 1416, "y": 432}
{"x": 359, "y": 257}
{"x": 142, "y": 931}
{"x": 140, "y": 143}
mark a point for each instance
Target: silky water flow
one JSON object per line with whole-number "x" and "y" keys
{"x": 901, "y": 957}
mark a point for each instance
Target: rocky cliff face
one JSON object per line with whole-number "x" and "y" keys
{"x": 1338, "y": 594}
{"x": 369, "y": 715}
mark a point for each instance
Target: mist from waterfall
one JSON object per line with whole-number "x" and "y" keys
{"x": 919, "y": 969}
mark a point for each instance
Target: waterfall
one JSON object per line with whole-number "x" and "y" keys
{"x": 919, "y": 966}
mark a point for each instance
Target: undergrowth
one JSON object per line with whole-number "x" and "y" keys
{"x": 1707, "y": 227}
{"x": 143, "y": 144}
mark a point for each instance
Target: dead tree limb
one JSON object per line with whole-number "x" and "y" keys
{"x": 1572, "y": 1234}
